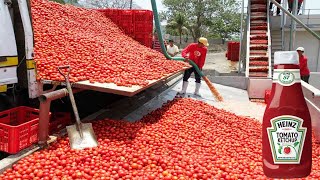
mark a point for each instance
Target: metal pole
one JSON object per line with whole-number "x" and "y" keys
{"x": 304, "y": 7}
{"x": 283, "y": 22}
{"x": 130, "y": 4}
{"x": 296, "y": 19}
{"x": 45, "y": 102}
{"x": 318, "y": 59}
{"x": 241, "y": 37}
{"x": 293, "y": 26}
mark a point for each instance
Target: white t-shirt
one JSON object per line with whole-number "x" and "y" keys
{"x": 172, "y": 50}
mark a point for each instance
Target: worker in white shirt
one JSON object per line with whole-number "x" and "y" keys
{"x": 172, "y": 49}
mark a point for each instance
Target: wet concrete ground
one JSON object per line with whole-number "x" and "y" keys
{"x": 235, "y": 101}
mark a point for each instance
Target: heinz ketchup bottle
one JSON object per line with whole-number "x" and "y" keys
{"x": 286, "y": 131}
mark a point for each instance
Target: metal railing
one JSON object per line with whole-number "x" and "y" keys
{"x": 269, "y": 44}
{"x": 248, "y": 39}
{"x": 308, "y": 16}
{"x": 297, "y": 20}
{"x": 241, "y": 37}
{"x": 302, "y": 11}
{"x": 274, "y": 9}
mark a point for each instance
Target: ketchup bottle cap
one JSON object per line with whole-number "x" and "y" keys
{"x": 286, "y": 57}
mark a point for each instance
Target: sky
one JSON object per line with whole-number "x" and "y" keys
{"x": 146, "y": 4}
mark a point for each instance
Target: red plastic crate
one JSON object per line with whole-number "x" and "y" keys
{"x": 126, "y": 15}
{"x": 148, "y": 43}
{"x": 58, "y": 121}
{"x": 18, "y": 128}
{"x": 143, "y": 27}
{"x": 142, "y": 15}
{"x": 145, "y": 39}
{"x": 113, "y": 14}
{"x": 230, "y": 45}
{"x": 102, "y": 10}
{"x": 127, "y": 27}
{"x": 234, "y": 56}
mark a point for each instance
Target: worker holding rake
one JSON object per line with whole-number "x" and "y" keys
{"x": 197, "y": 53}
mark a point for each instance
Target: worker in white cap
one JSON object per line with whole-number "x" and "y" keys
{"x": 197, "y": 53}
{"x": 303, "y": 63}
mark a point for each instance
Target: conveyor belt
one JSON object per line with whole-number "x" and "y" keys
{"x": 259, "y": 42}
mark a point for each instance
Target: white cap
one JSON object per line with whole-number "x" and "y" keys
{"x": 300, "y": 49}
{"x": 286, "y": 57}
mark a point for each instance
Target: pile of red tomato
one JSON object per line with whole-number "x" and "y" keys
{"x": 95, "y": 48}
{"x": 185, "y": 139}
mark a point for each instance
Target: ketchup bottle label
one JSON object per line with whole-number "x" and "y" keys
{"x": 286, "y": 137}
{"x": 286, "y": 77}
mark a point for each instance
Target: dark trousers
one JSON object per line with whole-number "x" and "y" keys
{"x": 305, "y": 78}
{"x": 187, "y": 74}
{"x": 291, "y": 6}
{"x": 271, "y": 5}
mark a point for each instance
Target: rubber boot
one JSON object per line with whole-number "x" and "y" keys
{"x": 184, "y": 88}
{"x": 196, "y": 92}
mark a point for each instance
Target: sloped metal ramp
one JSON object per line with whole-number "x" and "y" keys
{"x": 113, "y": 88}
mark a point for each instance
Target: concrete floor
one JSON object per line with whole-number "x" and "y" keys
{"x": 219, "y": 62}
{"x": 235, "y": 101}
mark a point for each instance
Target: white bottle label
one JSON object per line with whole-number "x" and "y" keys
{"x": 286, "y": 77}
{"x": 286, "y": 137}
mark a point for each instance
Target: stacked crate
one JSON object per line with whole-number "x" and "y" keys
{"x": 143, "y": 26}
{"x": 126, "y": 22}
{"x": 233, "y": 51}
{"x": 113, "y": 14}
{"x": 137, "y": 24}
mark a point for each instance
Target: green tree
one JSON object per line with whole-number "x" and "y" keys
{"x": 59, "y": 1}
{"x": 71, "y": 1}
{"x": 227, "y": 22}
{"x": 179, "y": 24}
{"x": 197, "y": 12}
{"x": 218, "y": 18}
{"x": 74, "y": 2}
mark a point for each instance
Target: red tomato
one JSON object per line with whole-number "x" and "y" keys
{"x": 185, "y": 139}
{"x": 96, "y": 48}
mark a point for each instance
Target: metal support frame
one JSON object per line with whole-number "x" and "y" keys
{"x": 283, "y": 22}
{"x": 296, "y": 19}
{"x": 45, "y": 102}
{"x": 269, "y": 43}
{"x": 304, "y": 6}
{"x": 293, "y": 26}
{"x": 318, "y": 59}
{"x": 248, "y": 40}
{"x": 241, "y": 38}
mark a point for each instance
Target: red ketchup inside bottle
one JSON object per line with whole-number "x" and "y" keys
{"x": 286, "y": 129}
